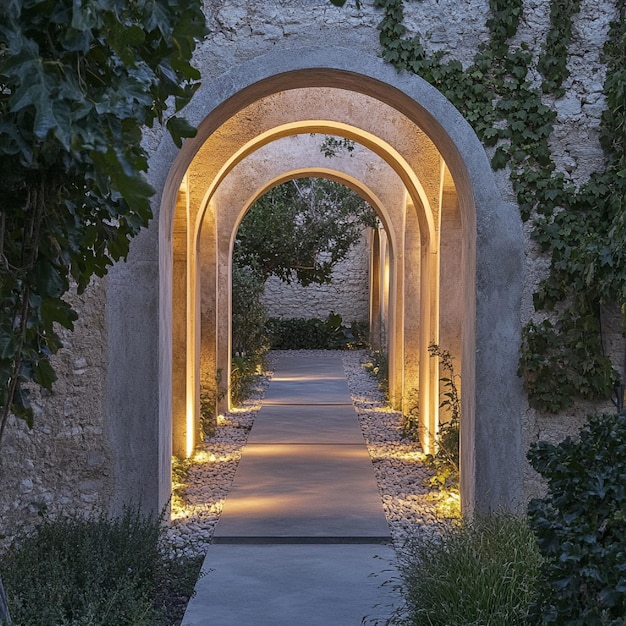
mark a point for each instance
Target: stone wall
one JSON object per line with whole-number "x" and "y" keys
{"x": 347, "y": 294}
{"x": 64, "y": 464}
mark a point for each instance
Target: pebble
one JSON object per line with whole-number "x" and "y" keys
{"x": 410, "y": 505}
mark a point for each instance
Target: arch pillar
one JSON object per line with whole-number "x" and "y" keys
{"x": 376, "y": 289}
{"x": 413, "y": 321}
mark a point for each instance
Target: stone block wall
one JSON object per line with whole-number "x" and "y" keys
{"x": 63, "y": 465}
{"x": 347, "y": 294}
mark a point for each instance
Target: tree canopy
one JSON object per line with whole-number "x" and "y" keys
{"x": 78, "y": 83}
{"x": 301, "y": 229}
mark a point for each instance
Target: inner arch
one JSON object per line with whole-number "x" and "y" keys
{"x": 491, "y": 243}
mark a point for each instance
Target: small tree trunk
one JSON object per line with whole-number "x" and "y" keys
{"x": 5, "y": 617}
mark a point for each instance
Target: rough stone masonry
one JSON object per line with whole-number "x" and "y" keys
{"x": 77, "y": 458}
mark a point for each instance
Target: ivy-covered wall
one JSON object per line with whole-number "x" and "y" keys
{"x": 546, "y": 93}
{"x": 543, "y": 83}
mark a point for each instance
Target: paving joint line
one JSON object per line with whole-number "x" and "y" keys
{"x": 302, "y": 540}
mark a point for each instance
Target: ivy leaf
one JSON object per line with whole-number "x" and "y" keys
{"x": 8, "y": 345}
{"x": 44, "y": 374}
{"x": 499, "y": 159}
{"x": 59, "y": 311}
{"x": 178, "y": 128}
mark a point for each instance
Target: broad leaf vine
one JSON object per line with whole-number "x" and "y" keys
{"x": 582, "y": 229}
{"x": 79, "y": 80}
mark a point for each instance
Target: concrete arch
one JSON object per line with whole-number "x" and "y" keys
{"x": 381, "y": 148}
{"x": 247, "y": 181}
{"x": 368, "y": 194}
{"x": 492, "y": 265}
{"x": 332, "y": 174}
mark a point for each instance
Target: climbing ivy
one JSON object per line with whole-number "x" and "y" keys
{"x": 582, "y": 230}
{"x": 553, "y": 61}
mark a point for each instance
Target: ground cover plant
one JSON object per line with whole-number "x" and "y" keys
{"x": 446, "y": 460}
{"x": 378, "y": 367}
{"x": 581, "y": 526}
{"x": 98, "y": 573}
{"x": 482, "y": 572}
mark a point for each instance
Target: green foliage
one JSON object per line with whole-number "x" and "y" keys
{"x": 582, "y": 230}
{"x": 581, "y": 526}
{"x": 333, "y": 146}
{"x": 98, "y": 572}
{"x": 180, "y": 473}
{"x": 301, "y": 229}
{"x": 248, "y": 313}
{"x": 481, "y": 572}
{"x": 78, "y": 82}
{"x": 243, "y": 374}
{"x": 446, "y": 460}
{"x": 553, "y": 61}
{"x": 297, "y": 334}
{"x": 411, "y": 419}
{"x": 378, "y": 366}
{"x": 210, "y": 395}
{"x": 555, "y": 373}
{"x": 316, "y": 334}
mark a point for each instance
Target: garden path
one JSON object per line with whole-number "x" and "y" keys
{"x": 302, "y": 538}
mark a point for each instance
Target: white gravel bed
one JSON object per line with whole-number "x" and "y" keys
{"x": 410, "y": 506}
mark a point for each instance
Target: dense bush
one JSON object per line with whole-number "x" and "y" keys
{"x": 316, "y": 334}
{"x": 478, "y": 573}
{"x": 249, "y": 336}
{"x": 99, "y": 572}
{"x": 581, "y": 526}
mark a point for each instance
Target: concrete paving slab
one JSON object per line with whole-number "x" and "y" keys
{"x": 321, "y": 391}
{"x": 303, "y": 491}
{"x": 301, "y": 379}
{"x": 294, "y": 585}
{"x": 303, "y": 529}
{"x": 306, "y": 424}
{"x": 294, "y": 365}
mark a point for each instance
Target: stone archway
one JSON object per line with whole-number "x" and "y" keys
{"x": 419, "y": 123}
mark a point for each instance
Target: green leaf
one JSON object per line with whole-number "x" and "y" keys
{"x": 8, "y": 345}
{"x": 56, "y": 310}
{"x": 179, "y": 128}
{"x": 499, "y": 159}
{"x": 44, "y": 374}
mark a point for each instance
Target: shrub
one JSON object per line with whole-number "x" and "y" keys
{"x": 581, "y": 526}
{"x": 316, "y": 334}
{"x": 98, "y": 572}
{"x": 478, "y": 573}
{"x": 249, "y": 336}
{"x": 243, "y": 374}
{"x": 446, "y": 459}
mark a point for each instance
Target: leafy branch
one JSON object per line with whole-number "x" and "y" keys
{"x": 78, "y": 82}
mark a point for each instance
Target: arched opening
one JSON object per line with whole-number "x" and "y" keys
{"x": 301, "y": 269}
{"x": 410, "y": 218}
{"x": 441, "y": 177}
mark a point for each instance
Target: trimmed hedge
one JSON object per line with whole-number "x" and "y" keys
{"x": 316, "y": 334}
